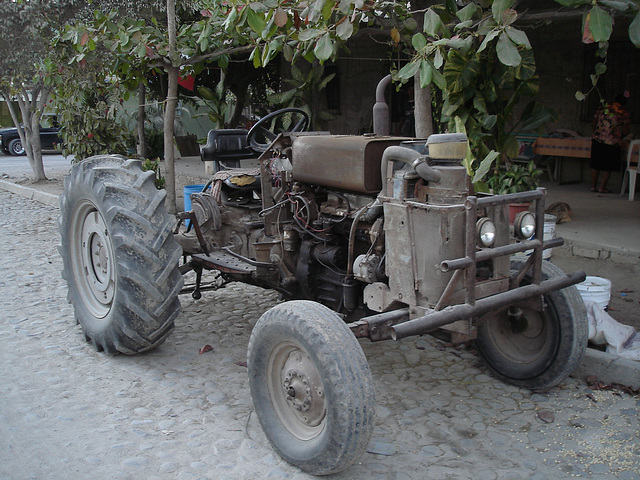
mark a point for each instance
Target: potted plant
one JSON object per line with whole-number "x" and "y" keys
{"x": 515, "y": 178}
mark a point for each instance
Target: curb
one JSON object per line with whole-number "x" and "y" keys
{"x": 30, "y": 193}
{"x": 605, "y": 366}
{"x": 609, "y": 369}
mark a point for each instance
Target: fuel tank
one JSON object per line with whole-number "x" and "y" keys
{"x": 343, "y": 162}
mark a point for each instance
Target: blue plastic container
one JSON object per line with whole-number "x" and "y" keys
{"x": 187, "y": 191}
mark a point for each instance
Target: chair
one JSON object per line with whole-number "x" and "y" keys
{"x": 631, "y": 171}
{"x": 225, "y": 148}
{"x": 231, "y": 184}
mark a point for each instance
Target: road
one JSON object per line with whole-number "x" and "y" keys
{"x": 18, "y": 167}
{"x": 67, "y": 411}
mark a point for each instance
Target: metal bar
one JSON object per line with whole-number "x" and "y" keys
{"x": 377, "y": 327}
{"x": 490, "y": 253}
{"x": 537, "y": 251}
{"x": 453, "y": 281}
{"x": 454, "y": 313}
{"x": 471, "y": 210}
{"x": 512, "y": 198}
{"x": 246, "y": 260}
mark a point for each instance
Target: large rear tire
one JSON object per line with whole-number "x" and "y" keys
{"x": 311, "y": 387}
{"x": 120, "y": 257}
{"x": 536, "y": 350}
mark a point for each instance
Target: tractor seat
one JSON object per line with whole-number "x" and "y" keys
{"x": 231, "y": 184}
{"x": 225, "y": 148}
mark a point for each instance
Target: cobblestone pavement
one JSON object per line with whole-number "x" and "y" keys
{"x": 69, "y": 412}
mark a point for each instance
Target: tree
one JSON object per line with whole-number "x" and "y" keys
{"x": 475, "y": 47}
{"x": 26, "y": 28}
{"x": 23, "y": 27}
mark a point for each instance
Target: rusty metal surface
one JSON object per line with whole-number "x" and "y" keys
{"x": 324, "y": 160}
{"x": 482, "y": 306}
{"x": 378, "y": 327}
{"x": 224, "y": 262}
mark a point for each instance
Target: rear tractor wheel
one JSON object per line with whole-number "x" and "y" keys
{"x": 120, "y": 257}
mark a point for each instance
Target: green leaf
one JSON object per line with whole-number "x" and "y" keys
{"x": 432, "y": 22}
{"x": 309, "y": 34}
{"x": 600, "y": 24}
{"x": 518, "y": 37}
{"x": 465, "y": 14}
{"x": 344, "y": 30}
{"x": 324, "y": 48}
{"x": 418, "y": 41}
{"x": 507, "y": 51}
{"x": 282, "y": 97}
{"x": 230, "y": 20}
{"x": 634, "y": 30}
{"x": 499, "y": 7}
{"x": 297, "y": 75}
{"x": 485, "y": 166}
{"x": 460, "y": 72}
{"x": 438, "y": 59}
{"x": 439, "y": 79}
{"x": 527, "y": 68}
{"x": 409, "y": 70}
{"x": 325, "y": 81}
{"x": 489, "y": 121}
{"x": 457, "y": 43}
{"x": 410, "y": 24}
{"x": 490, "y": 36}
{"x": 141, "y": 51}
{"x": 426, "y": 74}
{"x": 255, "y": 56}
{"x": 463, "y": 25}
{"x": 580, "y": 96}
{"x": 206, "y": 93}
{"x": 256, "y": 21}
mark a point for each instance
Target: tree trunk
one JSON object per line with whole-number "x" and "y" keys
{"x": 241, "y": 100}
{"x": 29, "y": 128}
{"x": 169, "y": 158}
{"x": 142, "y": 137}
{"x": 170, "y": 108}
{"x": 422, "y": 113}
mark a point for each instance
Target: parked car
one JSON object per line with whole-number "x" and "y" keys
{"x": 10, "y": 140}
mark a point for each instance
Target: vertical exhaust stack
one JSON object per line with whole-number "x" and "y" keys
{"x": 381, "y": 109}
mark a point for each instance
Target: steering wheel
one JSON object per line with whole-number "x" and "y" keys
{"x": 261, "y": 132}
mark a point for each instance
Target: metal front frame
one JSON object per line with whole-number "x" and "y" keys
{"x": 473, "y": 307}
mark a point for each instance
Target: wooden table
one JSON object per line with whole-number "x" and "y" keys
{"x": 564, "y": 150}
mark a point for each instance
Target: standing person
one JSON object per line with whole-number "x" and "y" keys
{"x": 610, "y": 127}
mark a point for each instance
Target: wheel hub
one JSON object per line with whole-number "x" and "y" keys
{"x": 302, "y": 388}
{"x": 93, "y": 263}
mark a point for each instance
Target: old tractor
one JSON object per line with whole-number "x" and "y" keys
{"x": 363, "y": 236}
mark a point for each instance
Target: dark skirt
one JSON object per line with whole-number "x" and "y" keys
{"x": 604, "y": 157}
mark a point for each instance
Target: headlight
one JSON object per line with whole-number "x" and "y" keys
{"x": 524, "y": 225}
{"x": 486, "y": 231}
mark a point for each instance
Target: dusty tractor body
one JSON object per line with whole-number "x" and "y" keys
{"x": 364, "y": 236}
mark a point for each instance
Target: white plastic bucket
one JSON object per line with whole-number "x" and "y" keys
{"x": 596, "y": 289}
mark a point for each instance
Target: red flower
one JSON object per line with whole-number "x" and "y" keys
{"x": 90, "y": 135}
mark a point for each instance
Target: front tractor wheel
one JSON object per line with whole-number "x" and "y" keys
{"x": 120, "y": 257}
{"x": 536, "y": 349}
{"x": 311, "y": 387}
